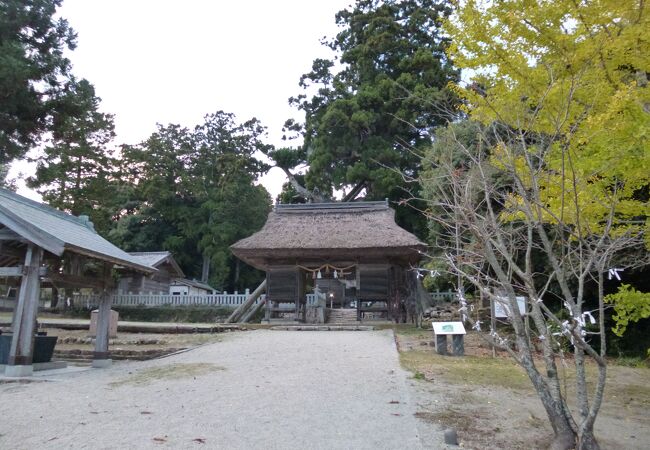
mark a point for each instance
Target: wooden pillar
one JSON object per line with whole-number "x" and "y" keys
{"x": 269, "y": 301}
{"x": 101, "y": 356}
{"x": 22, "y": 342}
{"x": 300, "y": 296}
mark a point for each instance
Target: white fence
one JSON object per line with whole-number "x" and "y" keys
{"x": 448, "y": 296}
{"x": 225, "y": 299}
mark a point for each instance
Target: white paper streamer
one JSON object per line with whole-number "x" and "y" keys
{"x": 614, "y": 273}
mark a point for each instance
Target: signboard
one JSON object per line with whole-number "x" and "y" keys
{"x": 448, "y": 328}
{"x": 502, "y": 308}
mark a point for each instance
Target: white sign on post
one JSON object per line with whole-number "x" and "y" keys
{"x": 448, "y": 328}
{"x": 502, "y": 307}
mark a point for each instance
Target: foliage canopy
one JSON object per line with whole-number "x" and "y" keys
{"x": 33, "y": 71}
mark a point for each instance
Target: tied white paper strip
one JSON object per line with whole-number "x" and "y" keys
{"x": 591, "y": 318}
{"x": 421, "y": 272}
{"x": 463, "y": 306}
{"x": 614, "y": 273}
{"x": 477, "y": 325}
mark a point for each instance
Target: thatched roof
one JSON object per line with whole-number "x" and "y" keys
{"x": 329, "y": 230}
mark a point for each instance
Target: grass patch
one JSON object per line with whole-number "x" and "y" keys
{"x": 632, "y": 361}
{"x": 467, "y": 369}
{"x": 406, "y": 329}
{"x": 168, "y": 372}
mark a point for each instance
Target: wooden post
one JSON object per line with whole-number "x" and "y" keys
{"x": 101, "y": 356}
{"x": 493, "y": 324}
{"x": 241, "y": 309}
{"x": 22, "y": 342}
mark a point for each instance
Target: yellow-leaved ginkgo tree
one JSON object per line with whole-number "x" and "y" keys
{"x": 554, "y": 185}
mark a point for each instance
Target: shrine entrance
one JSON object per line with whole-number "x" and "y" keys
{"x": 336, "y": 284}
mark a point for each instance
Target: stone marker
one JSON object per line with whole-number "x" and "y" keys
{"x": 457, "y": 332}
{"x": 441, "y": 344}
{"x": 451, "y": 438}
{"x": 457, "y": 345}
{"x": 112, "y": 327}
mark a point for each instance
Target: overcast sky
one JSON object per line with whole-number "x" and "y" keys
{"x": 164, "y": 61}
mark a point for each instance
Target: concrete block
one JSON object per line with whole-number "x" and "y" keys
{"x": 19, "y": 371}
{"x": 441, "y": 344}
{"x": 458, "y": 344}
{"x": 102, "y": 363}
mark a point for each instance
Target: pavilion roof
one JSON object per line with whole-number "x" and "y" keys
{"x": 56, "y": 231}
{"x": 156, "y": 259}
{"x": 332, "y": 229}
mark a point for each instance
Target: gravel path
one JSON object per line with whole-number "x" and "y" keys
{"x": 260, "y": 389}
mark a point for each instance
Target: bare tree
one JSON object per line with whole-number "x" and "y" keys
{"x": 489, "y": 197}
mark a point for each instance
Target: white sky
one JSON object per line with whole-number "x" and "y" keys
{"x": 164, "y": 61}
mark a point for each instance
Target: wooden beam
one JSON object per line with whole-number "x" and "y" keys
{"x": 8, "y": 235}
{"x": 251, "y": 312}
{"x": 11, "y": 271}
{"x": 237, "y": 313}
{"x": 19, "y": 271}
{"x": 75, "y": 280}
{"x": 12, "y": 252}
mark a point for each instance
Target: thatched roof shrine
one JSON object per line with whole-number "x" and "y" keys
{"x": 329, "y": 231}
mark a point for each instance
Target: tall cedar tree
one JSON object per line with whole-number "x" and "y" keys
{"x": 368, "y": 121}
{"x": 194, "y": 194}
{"x": 74, "y": 171}
{"x": 33, "y": 71}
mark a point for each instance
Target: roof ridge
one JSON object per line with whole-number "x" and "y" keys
{"x": 46, "y": 208}
{"x": 339, "y": 207}
{"x": 163, "y": 252}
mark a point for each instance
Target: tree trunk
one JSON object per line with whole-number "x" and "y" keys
{"x": 564, "y": 436}
{"x": 205, "y": 270}
{"x": 587, "y": 440}
{"x": 55, "y": 298}
{"x": 237, "y": 270}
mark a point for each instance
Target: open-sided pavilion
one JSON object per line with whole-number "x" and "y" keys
{"x": 42, "y": 245}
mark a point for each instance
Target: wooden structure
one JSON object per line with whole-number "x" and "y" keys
{"x": 183, "y": 286}
{"x": 352, "y": 253}
{"x": 39, "y": 244}
{"x": 169, "y": 278}
{"x": 159, "y": 282}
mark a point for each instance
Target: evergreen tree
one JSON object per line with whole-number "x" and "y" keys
{"x": 369, "y": 120}
{"x": 74, "y": 171}
{"x": 33, "y": 71}
{"x": 194, "y": 195}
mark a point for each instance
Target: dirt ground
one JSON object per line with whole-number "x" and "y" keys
{"x": 491, "y": 403}
{"x": 259, "y": 389}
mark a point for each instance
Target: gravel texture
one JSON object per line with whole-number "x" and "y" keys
{"x": 259, "y": 389}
